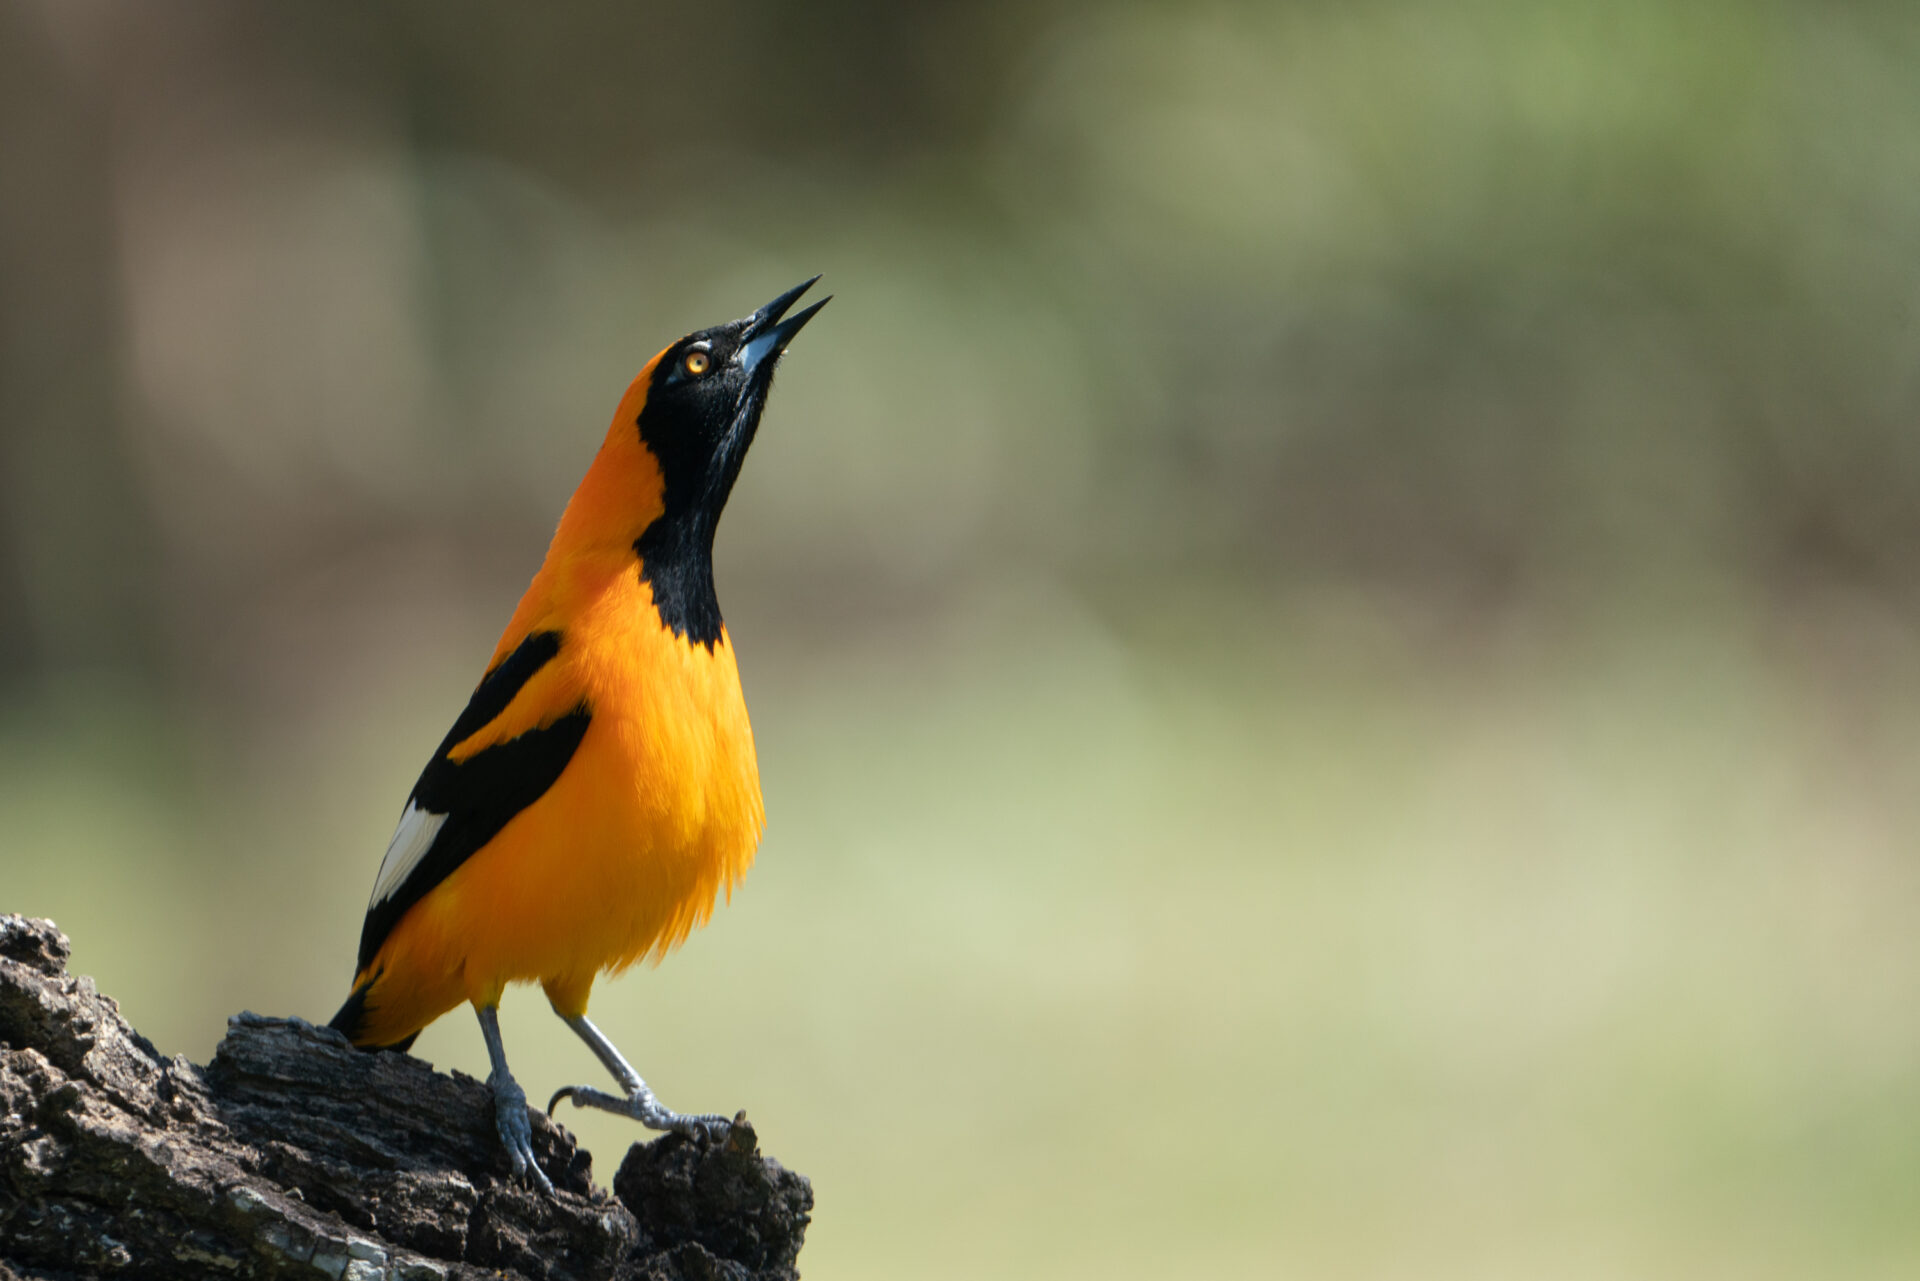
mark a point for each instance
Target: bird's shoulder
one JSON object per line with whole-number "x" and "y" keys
{"x": 516, "y": 735}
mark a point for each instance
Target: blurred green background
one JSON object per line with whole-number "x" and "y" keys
{"x": 1330, "y": 613}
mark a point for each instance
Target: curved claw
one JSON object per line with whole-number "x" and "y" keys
{"x": 565, "y": 1091}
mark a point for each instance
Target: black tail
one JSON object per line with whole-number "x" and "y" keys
{"x": 352, "y": 1019}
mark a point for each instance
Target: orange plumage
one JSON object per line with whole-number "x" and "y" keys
{"x": 600, "y": 789}
{"x": 659, "y": 811}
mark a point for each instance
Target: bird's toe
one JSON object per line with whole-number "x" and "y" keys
{"x": 582, "y": 1096}
{"x": 516, "y": 1135}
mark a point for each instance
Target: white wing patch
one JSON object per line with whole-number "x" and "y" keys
{"x": 411, "y": 841}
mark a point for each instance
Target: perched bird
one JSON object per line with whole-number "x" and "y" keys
{"x": 600, "y": 789}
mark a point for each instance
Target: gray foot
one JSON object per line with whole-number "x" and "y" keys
{"x": 510, "y": 1105}
{"x": 516, "y": 1131}
{"x": 647, "y": 1110}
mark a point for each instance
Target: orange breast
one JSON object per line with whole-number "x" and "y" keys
{"x": 658, "y": 813}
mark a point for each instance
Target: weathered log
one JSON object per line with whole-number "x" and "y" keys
{"x": 292, "y": 1154}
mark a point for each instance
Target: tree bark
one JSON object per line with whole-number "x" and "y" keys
{"x": 292, "y": 1154}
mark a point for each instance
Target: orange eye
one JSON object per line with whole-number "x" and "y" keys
{"x": 697, "y": 362}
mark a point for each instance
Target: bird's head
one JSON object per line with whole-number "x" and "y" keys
{"x": 671, "y": 457}
{"x": 703, "y": 399}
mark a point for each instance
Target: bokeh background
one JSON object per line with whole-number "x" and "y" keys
{"x": 1330, "y": 612}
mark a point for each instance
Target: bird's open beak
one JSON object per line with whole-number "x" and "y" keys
{"x": 766, "y": 335}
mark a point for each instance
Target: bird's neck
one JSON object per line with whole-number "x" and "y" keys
{"x": 615, "y": 527}
{"x": 676, "y": 561}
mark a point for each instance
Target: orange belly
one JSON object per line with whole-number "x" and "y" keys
{"x": 657, "y": 813}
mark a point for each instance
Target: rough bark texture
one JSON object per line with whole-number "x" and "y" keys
{"x": 292, "y": 1154}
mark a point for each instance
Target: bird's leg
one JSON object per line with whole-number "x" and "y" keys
{"x": 510, "y": 1105}
{"x": 639, "y": 1103}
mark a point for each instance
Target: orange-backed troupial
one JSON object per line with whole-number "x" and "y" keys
{"x": 600, "y": 790}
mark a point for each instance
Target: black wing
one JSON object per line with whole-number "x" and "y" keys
{"x": 471, "y": 800}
